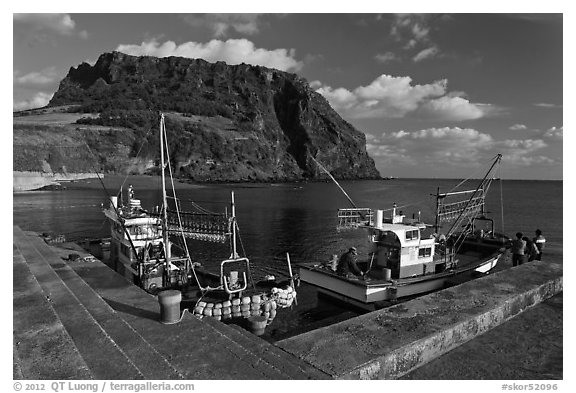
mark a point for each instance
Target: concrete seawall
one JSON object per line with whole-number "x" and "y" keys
{"x": 389, "y": 343}
{"x": 26, "y": 181}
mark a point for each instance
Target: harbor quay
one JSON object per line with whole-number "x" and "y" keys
{"x": 78, "y": 319}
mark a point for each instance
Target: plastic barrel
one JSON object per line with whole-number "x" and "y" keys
{"x": 387, "y": 274}
{"x": 257, "y": 324}
{"x": 169, "y": 306}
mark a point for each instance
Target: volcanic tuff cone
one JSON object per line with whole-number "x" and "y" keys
{"x": 225, "y": 122}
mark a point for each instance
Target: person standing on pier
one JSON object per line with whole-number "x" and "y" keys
{"x": 518, "y": 250}
{"x": 531, "y": 250}
{"x": 540, "y": 242}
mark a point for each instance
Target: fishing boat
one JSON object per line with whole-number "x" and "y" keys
{"x": 408, "y": 257}
{"x": 142, "y": 250}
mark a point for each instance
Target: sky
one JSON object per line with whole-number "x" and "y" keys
{"x": 436, "y": 94}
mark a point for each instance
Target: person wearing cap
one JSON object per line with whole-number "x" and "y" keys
{"x": 540, "y": 242}
{"x": 347, "y": 263}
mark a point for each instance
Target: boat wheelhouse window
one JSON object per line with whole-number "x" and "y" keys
{"x": 425, "y": 252}
{"x": 412, "y": 235}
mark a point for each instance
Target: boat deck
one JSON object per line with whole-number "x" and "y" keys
{"x": 468, "y": 260}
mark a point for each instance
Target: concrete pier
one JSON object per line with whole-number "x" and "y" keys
{"x": 391, "y": 342}
{"x": 81, "y": 320}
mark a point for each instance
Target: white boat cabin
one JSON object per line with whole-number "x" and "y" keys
{"x": 399, "y": 249}
{"x": 142, "y": 228}
{"x": 137, "y": 244}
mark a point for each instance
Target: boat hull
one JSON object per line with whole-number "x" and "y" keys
{"x": 362, "y": 292}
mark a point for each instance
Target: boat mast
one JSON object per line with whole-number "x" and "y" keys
{"x": 233, "y": 208}
{"x": 437, "y": 222}
{"x": 164, "y": 197}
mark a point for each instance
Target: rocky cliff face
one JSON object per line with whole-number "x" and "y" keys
{"x": 225, "y": 122}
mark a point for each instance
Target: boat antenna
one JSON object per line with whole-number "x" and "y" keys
{"x": 335, "y": 182}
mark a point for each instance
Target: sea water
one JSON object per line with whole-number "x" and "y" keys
{"x": 298, "y": 219}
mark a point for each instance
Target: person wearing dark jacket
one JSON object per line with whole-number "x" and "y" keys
{"x": 518, "y": 250}
{"x": 347, "y": 263}
{"x": 531, "y": 249}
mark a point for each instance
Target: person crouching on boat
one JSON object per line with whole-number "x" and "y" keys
{"x": 518, "y": 250}
{"x": 347, "y": 264}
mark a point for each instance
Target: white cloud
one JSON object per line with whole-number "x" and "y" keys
{"x": 427, "y": 53}
{"x": 315, "y": 84}
{"x": 517, "y": 127}
{"x": 452, "y": 109}
{"x": 232, "y": 51}
{"x": 465, "y": 147}
{"x": 555, "y": 134}
{"x": 396, "y": 97}
{"x": 547, "y": 105}
{"x": 523, "y": 152}
{"x": 525, "y": 145}
{"x": 387, "y": 57}
{"x": 391, "y": 155}
{"x": 60, "y": 23}
{"x": 38, "y": 101}
{"x": 435, "y": 146}
{"x": 44, "y": 77}
{"x": 220, "y": 24}
{"x": 414, "y": 26}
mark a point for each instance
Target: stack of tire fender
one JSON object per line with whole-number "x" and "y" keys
{"x": 247, "y": 306}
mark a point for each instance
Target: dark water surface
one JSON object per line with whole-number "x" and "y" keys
{"x": 298, "y": 218}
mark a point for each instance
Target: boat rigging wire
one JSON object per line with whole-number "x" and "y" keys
{"x": 188, "y": 260}
{"x": 244, "y": 253}
{"x": 110, "y": 200}
{"x": 479, "y": 170}
{"x": 336, "y": 182}
{"x": 484, "y": 184}
{"x": 145, "y": 140}
{"x": 501, "y": 197}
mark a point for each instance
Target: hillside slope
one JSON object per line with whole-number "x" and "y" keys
{"x": 224, "y": 123}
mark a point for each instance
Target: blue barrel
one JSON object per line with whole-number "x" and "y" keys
{"x": 170, "y": 306}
